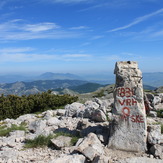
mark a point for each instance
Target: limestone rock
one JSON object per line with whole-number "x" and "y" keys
{"x": 156, "y": 100}
{"x": 98, "y": 116}
{"x": 73, "y": 109}
{"x": 154, "y": 134}
{"x": 128, "y": 127}
{"x": 93, "y": 105}
{"x": 61, "y": 141}
{"x": 61, "y": 112}
{"x": 90, "y": 147}
{"x": 53, "y": 121}
{"x": 157, "y": 150}
{"x": 37, "y": 126}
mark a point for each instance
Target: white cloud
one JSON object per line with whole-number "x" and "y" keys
{"x": 79, "y": 27}
{"x": 40, "y": 27}
{"x": 16, "y": 50}
{"x": 17, "y": 29}
{"x": 28, "y": 54}
{"x": 138, "y": 20}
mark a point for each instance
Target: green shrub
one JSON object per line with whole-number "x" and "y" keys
{"x": 161, "y": 128}
{"x": 13, "y": 106}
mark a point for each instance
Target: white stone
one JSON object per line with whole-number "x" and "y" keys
{"x": 37, "y": 126}
{"x": 90, "y": 146}
{"x": 154, "y": 134}
{"x": 53, "y": 121}
{"x": 128, "y": 127}
{"x": 98, "y": 116}
{"x": 73, "y": 109}
{"x": 157, "y": 150}
{"x": 61, "y": 141}
{"x": 156, "y": 100}
{"x": 61, "y": 112}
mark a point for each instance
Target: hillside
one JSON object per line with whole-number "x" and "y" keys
{"x": 26, "y": 88}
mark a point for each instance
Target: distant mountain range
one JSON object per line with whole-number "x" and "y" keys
{"x": 152, "y": 79}
{"x": 58, "y": 86}
{"x": 26, "y": 88}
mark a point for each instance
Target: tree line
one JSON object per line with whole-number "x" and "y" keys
{"x": 12, "y": 106}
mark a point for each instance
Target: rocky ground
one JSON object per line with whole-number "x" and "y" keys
{"x": 89, "y": 122}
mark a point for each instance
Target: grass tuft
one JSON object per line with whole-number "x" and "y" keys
{"x": 42, "y": 141}
{"x": 39, "y": 141}
{"x": 4, "y": 131}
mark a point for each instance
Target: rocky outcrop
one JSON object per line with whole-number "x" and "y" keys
{"x": 128, "y": 128}
{"x": 96, "y": 110}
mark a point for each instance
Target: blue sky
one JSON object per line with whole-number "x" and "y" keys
{"x": 80, "y": 36}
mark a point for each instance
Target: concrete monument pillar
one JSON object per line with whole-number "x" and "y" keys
{"x": 128, "y": 127}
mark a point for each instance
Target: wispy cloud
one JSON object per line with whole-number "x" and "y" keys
{"x": 17, "y": 29}
{"x": 79, "y": 27}
{"x": 28, "y": 54}
{"x": 16, "y": 50}
{"x": 40, "y": 27}
{"x": 138, "y": 20}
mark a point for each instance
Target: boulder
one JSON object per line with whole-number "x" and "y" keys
{"x": 157, "y": 150}
{"x": 61, "y": 141}
{"x": 156, "y": 100}
{"x": 61, "y": 112}
{"x": 90, "y": 147}
{"x": 48, "y": 114}
{"x": 91, "y": 104}
{"x": 154, "y": 134}
{"x": 37, "y": 126}
{"x": 73, "y": 109}
{"x": 53, "y": 121}
{"x": 27, "y": 118}
{"x": 98, "y": 116}
{"x": 128, "y": 129}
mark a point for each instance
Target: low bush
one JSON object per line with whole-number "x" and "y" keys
{"x": 13, "y": 106}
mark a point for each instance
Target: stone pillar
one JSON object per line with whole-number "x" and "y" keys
{"x": 128, "y": 128}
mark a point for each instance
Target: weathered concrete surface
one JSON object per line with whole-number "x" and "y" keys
{"x": 128, "y": 128}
